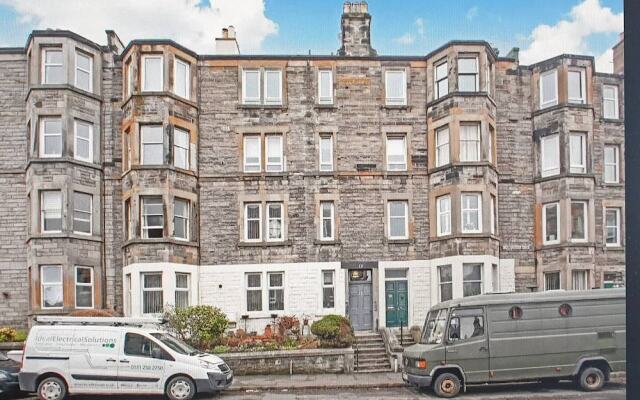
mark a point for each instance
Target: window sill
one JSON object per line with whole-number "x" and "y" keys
{"x": 319, "y": 242}
{"x": 614, "y": 248}
{"x": 396, "y": 107}
{"x": 178, "y": 242}
{"x": 398, "y": 241}
{"x": 613, "y": 184}
{"x": 261, "y": 106}
{"x": 283, "y": 243}
{"x": 613, "y": 120}
{"x": 404, "y": 173}
{"x": 325, "y": 106}
{"x": 263, "y": 175}
{"x": 63, "y": 235}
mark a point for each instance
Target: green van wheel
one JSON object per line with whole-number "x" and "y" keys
{"x": 591, "y": 379}
{"x": 447, "y": 385}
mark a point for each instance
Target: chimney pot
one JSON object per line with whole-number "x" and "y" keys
{"x": 232, "y": 32}
{"x": 225, "y": 33}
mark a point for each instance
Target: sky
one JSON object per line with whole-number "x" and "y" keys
{"x": 541, "y": 29}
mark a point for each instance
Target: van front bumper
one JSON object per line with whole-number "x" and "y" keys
{"x": 217, "y": 381}
{"x": 417, "y": 380}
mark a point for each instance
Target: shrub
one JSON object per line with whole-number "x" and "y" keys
{"x": 7, "y": 334}
{"x": 220, "y": 349}
{"x": 197, "y": 325}
{"x": 333, "y": 331}
{"x": 93, "y": 313}
{"x": 21, "y": 336}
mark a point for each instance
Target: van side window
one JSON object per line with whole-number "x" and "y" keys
{"x": 515, "y": 312}
{"x": 565, "y": 310}
{"x": 140, "y": 346}
{"x": 466, "y": 324}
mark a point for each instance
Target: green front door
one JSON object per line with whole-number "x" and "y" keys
{"x": 397, "y": 303}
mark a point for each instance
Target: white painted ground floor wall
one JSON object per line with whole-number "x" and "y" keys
{"x": 225, "y": 286}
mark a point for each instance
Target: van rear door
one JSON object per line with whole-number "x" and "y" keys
{"x": 467, "y": 345}
{"x": 93, "y": 366}
{"x": 141, "y": 364}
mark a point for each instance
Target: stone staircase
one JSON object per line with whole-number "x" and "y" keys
{"x": 372, "y": 356}
{"x": 407, "y": 339}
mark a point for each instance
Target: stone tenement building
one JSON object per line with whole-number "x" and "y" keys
{"x": 373, "y": 186}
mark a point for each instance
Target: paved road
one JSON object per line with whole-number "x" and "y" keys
{"x": 560, "y": 391}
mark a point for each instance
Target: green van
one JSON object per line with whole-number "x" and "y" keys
{"x": 491, "y": 338}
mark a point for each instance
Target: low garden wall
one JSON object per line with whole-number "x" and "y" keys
{"x": 285, "y": 362}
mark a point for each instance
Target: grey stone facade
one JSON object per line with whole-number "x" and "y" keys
{"x": 504, "y": 105}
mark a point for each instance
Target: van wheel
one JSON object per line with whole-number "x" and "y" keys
{"x": 447, "y": 385}
{"x": 591, "y": 379}
{"x": 52, "y": 388}
{"x": 180, "y": 388}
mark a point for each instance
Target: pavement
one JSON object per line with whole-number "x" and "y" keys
{"x": 318, "y": 381}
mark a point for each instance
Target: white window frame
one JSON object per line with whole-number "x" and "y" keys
{"x": 616, "y": 106}
{"x": 246, "y": 222}
{"x": 143, "y": 215}
{"x": 272, "y": 100}
{"x": 90, "y": 220}
{"x": 45, "y": 65}
{"x": 245, "y": 98}
{"x": 331, "y": 218}
{"x": 444, "y": 147}
{"x": 270, "y": 288}
{"x": 144, "y": 72}
{"x": 397, "y": 166}
{"x": 443, "y": 213}
{"x": 464, "y": 144}
{"x": 144, "y": 143}
{"x": 44, "y": 284}
{"x": 578, "y": 166}
{"x": 544, "y": 278}
{"x": 577, "y": 100}
{"x": 481, "y": 281}
{"x": 184, "y": 218}
{"x": 617, "y": 226}
{"x": 544, "y": 223}
{"x": 274, "y": 166}
{"x": 584, "y": 278}
{"x": 43, "y": 134}
{"x": 254, "y": 289}
{"x": 554, "y": 100}
{"x": 159, "y": 289}
{"x": 553, "y": 169}
{"x": 585, "y": 215}
{"x": 179, "y": 289}
{"x": 331, "y": 286}
{"x": 187, "y": 78}
{"x": 615, "y": 164}
{"x": 270, "y": 220}
{"x": 405, "y": 204}
{"x": 89, "y": 72}
{"x": 436, "y": 86}
{"x": 476, "y": 74}
{"x": 328, "y": 74}
{"x": 176, "y": 147}
{"x": 43, "y": 211}
{"x": 77, "y": 267}
{"x": 325, "y": 165}
{"x": 77, "y": 122}
{"x": 245, "y": 164}
{"x": 464, "y": 210}
{"x": 395, "y": 101}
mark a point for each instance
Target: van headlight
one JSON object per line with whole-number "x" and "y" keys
{"x": 421, "y": 363}
{"x": 208, "y": 365}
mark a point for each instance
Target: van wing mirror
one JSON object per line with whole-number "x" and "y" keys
{"x": 157, "y": 353}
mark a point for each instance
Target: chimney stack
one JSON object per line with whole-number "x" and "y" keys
{"x": 356, "y": 30}
{"x": 227, "y": 44}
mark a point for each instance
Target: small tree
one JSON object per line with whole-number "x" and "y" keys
{"x": 199, "y": 326}
{"x": 333, "y": 331}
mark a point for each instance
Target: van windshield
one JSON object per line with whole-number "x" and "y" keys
{"x": 176, "y": 344}
{"x": 434, "y": 327}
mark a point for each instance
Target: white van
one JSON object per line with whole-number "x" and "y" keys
{"x": 77, "y": 355}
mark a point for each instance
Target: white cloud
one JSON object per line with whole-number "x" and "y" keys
{"x": 570, "y": 35}
{"x": 472, "y": 13}
{"x": 405, "y": 39}
{"x": 604, "y": 62}
{"x": 420, "y": 26}
{"x": 185, "y": 21}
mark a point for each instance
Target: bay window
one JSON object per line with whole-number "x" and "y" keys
{"x": 84, "y": 287}
{"x": 443, "y": 204}
{"x": 83, "y": 141}
{"x": 51, "y": 287}
{"x": 152, "y": 296}
{"x": 441, "y": 79}
{"x": 610, "y": 102}
{"x": 445, "y": 282}
{"x": 182, "y": 293}
{"x": 180, "y": 148}
{"x": 51, "y": 211}
{"x": 612, "y": 227}
{"x": 550, "y": 155}
{"x": 471, "y": 211}
{"x": 152, "y": 139}
{"x": 580, "y": 280}
{"x": 152, "y": 73}
{"x": 548, "y": 88}
{"x": 552, "y": 281}
{"x": 579, "y": 217}
{"x": 470, "y": 142}
{"x": 84, "y": 71}
{"x": 577, "y": 86}
{"x": 578, "y": 153}
{"x": 182, "y": 78}
{"x": 53, "y": 71}
{"x": 611, "y": 164}
{"x": 442, "y": 146}
{"x": 181, "y": 219}
{"x": 468, "y": 74}
{"x": 472, "y": 279}
{"x": 551, "y": 223}
{"x": 152, "y": 217}
{"x": 50, "y": 137}
{"x": 82, "y": 213}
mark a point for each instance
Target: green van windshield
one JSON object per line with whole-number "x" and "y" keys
{"x": 433, "y": 331}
